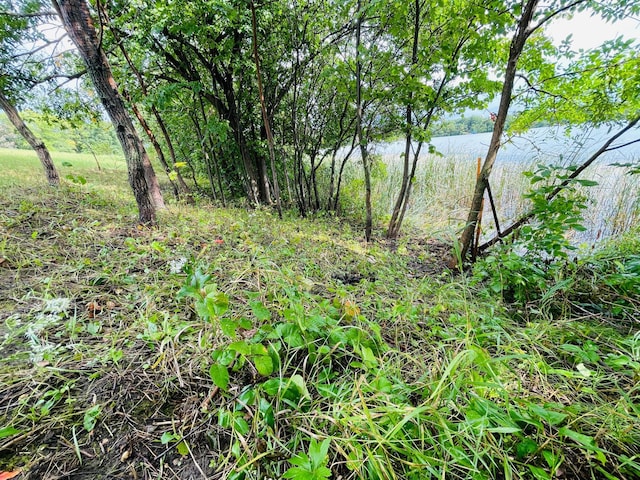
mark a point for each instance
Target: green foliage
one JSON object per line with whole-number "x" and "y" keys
{"x": 531, "y": 263}
{"x": 463, "y": 125}
{"x": 91, "y": 417}
{"x": 311, "y": 466}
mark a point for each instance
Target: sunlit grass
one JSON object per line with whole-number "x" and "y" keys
{"x": 102, "y": 172}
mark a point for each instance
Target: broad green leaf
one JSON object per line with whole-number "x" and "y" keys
{"x": 263, "y": 364}
{"x": 228, "y": 327}
{"x": 259, "y": 349}
{"x": 539, "y": 473}
{"x": 551, "y": 417}
{"x": 220, "y": 375}
{"x": 91, "y": 418}
{"x": 241, "y": 347}
{"x": 8, "y": 431}
{"x": 299, "y": 382}
{"x": 240, "y": 425}
{"x": 585, "y": 441}
{"x": 368, "y": 357}
{"x": 167, "y": 437}
{"x": 318, "y": 452}
{"x": 587, "y": 183}
{"x": 248, "y": 397}
{"x": 584, "y": 371}
{"x": 301, "y": 460}
{"x": 260, "y": 311}
{"x": 183, "y": 448}
{"x": 525, "y": 448}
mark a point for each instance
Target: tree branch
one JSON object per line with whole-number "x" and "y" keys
{"x": 555, "y": 13}
{"x": 539, "y": 90}
{"x": 528, "y": 216}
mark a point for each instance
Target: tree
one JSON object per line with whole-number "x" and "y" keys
{"x": 444, "y": 68}
{"x": 179, "y": 186}
{"x": 362, "y": 136}
{"x": 598, "y": 88}
{"x": 524, "y": 28}
{"x": 77, "y": 21}
{"x": 17, "y": 26}
{"x": 532, "y": 18}
{"x": 38, "y": 145}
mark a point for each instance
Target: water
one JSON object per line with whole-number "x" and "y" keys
{"x": 614, "y": 204}
{"x": 545, "y": 145}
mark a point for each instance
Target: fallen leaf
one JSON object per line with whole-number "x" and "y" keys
{"x": 93, "y": 308}
{"x": 8, "y": 475}
{"x": 125, "y": 455}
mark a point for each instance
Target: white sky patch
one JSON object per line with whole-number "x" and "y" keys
{"x": 591, "y": 31}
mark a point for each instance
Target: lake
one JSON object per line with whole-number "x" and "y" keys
{"x": 547, "y": 145}
{"x": 444, "y": 184}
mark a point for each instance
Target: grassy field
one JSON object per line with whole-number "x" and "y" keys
{"x": 229, "y": 344}
{"x": 100, "y": 171}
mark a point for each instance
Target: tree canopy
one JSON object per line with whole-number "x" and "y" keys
{"x": 270, "y": 101}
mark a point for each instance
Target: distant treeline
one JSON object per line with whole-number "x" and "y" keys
{"x": 62, "y": 136}
{"x": 470, "y": 124}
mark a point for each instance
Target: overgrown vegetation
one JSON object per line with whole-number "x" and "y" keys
{"x": 226, "y": 343}
{"x": 258, "y": 342}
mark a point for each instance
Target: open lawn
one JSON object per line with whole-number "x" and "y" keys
{"x": 100, "y": 171}
{"x": 229, "y": 344}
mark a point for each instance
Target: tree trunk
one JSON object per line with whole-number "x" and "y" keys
{"x": 361, "y": 138}
{"x": 265, "y": 116}
{"x": 38, "y": 145}
{"x": 156, "y": 145}
{"x": 523, "y": 32}
{"x": 77, "y": 21}
{"x": 407, "y": 175}
{"x": 182, "y": 186}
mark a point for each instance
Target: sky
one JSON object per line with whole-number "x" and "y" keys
{"x": 590, "y": 31}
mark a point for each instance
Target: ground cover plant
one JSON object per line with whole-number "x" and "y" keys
{"x": 228, "y": 343}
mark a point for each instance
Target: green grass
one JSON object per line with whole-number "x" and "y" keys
{"x": 441, "y": 196}
{"x": 22, "y": 167}
{"x": 227, "y": 343}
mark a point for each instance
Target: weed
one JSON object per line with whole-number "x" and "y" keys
{"x": 230, "y": 344}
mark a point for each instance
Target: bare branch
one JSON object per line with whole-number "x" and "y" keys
{"x": 539, "y": 90}
{"x": 617, "y": 147}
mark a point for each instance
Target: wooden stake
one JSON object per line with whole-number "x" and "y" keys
{"x": 474, "y": 251}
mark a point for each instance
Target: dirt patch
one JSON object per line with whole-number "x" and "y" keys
{"x": 426, "y": 257}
